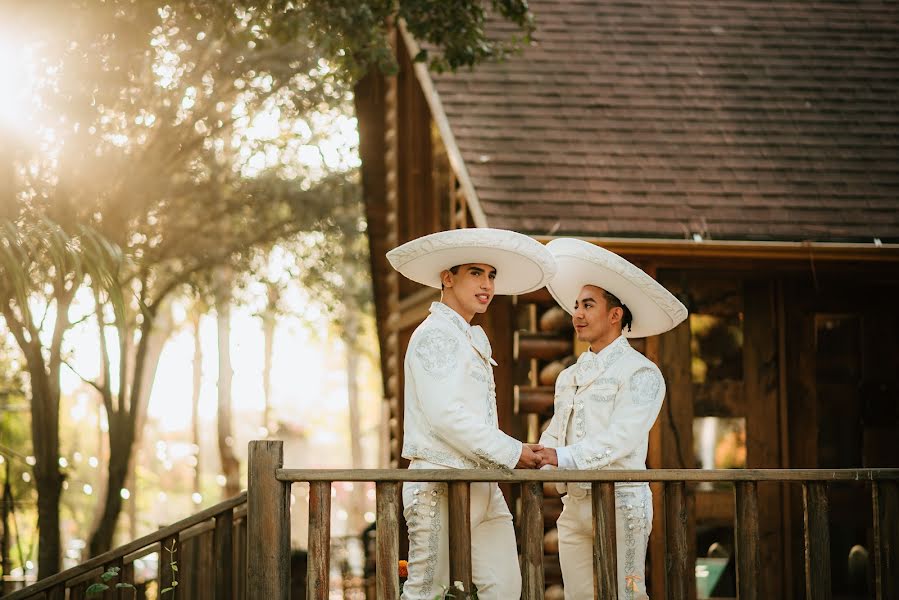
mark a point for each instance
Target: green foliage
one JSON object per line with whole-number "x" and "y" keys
{"x": 353, "y": 35}
{"x": 106, "y": 577}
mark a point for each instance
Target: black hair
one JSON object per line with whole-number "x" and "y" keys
{"x": 454, "y": 271}
{"x": 612, "y": 301}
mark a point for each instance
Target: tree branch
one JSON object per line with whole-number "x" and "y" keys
{"x": 90, "y": 382}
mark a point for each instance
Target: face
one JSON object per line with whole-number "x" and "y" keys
{"x": 593, "y": 320}
{"x": 469, "y": 290}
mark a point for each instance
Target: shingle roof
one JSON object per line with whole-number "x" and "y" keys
{"x": 736, "y": 120}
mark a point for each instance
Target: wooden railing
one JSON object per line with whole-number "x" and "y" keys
{"x": 269, "y": 526}
{"x": 208, "y": 550}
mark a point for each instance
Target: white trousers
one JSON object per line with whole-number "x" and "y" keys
{"x": 633, "y": 517}
{"x": 494, "y": 556}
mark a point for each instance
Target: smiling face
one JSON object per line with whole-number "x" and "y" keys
{"x": 594, "y": 320}
{"x": 468, "y": 290}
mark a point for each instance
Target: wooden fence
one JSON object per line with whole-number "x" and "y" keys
{"x": 269, "y": 525}
{"x": 241, "y": 547}
{"x": 208, "y": 551}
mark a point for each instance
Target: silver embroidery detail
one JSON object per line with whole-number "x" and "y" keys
{"x": 433, "y": 517}
{"x": 645, "y": 385}
{"x": 439, "y": 457}
{"x": 436, "y": 349}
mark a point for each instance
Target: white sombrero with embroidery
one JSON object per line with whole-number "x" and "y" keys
{"x": 522, "y": 264}
{"x": 654, "y": 309}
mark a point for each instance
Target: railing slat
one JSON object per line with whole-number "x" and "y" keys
{"x": 76, "y": 592}
{"x": 57, "y": 592}
{"x": 223, "y": 555}
{"x": 168, "y": 576}
{"x": 677, "y": 552}
{"x": 886, "y": 539}
{"x": 116, "y": 593}
{"x": 817, "y": 540}
{"x": 746, "y": 531}
{"x": 319, "y": 561}
{"x": 605, "y": 549}
{"x": 268, "y": 526}
{"x": 387, "y": 535}
{"x": 532, "y": 541}
{"x": 459, "y": 505}
{"x": 240, "y": 559}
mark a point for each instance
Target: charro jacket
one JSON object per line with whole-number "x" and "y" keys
{"x": 605, "y": 405}
{"x": 450, "y": 397}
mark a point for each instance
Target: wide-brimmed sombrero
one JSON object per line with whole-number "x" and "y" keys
{"x": 654, "y": 309}
{"x": 522, "y": 264}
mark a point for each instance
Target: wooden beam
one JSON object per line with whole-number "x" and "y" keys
{"x": 268, "y": 524}
{"x": 746, "y": 532}
{"x": 885, "y": 495}
{"x": 761, "y": 406}
{"x": 459, "y": 508}
{"x": 605, "y": 548}
{"x": 387, "y": 531}
{"x": 678, "y": 560}
{"x": 318, "y": 569}
{"x": 817, "y": 540}
{"x": 575, "y": 476}
{"x": 223, "y": 555}
{"x": 532, "y": 583}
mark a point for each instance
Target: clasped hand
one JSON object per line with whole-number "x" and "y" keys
{"x": 535, "y": 456}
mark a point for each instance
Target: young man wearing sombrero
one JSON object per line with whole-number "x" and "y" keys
{"x": 605, "y": 405}
{"x": 450, "y": 417}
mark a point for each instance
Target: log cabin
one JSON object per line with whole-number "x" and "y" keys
{"x": 747, "y": 156}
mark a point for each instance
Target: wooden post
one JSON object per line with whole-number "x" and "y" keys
{"x": 268, "y": 524}
{"x": 116, "y": 593}
{"x": 677, "y": 564}
{"x": 128, "y": 573}
{"x": 532, "y": 585}
{"x": 168, "y": 576}
{"x": 817, "y": 540}
{"x": 77, "y": 591}
{"x": 223, "y": 555}
{"x": 459, "y": 508}
{"x": 57, "y": 592}
{"x": 886, "y": 538}
{"x": 387, "y": 532}
{"x": 319, "y": 561}
{"x": 240, "y": 560}
{"x": 605, "y": 549}
{"x": 746, "y": 531}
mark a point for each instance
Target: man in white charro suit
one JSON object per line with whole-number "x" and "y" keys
{"x": 450, "y": 419}
{"x": 605, "y": 405}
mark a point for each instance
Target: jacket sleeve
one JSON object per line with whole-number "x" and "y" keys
{"x": 438, "y": 371}
{"x": 636, "y": 407}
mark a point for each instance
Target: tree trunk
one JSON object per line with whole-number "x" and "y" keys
{"x": 127, "y": 417}
{"x": 350, "y": 339}
{"x": 47, "y": 477}
{"x": 195, "y": 393}
{"x": 230, "y": 464}
{"x": 268, "y": 332}
{"x": 121, "y": 436}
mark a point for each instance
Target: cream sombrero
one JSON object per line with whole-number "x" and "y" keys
{"x": 655, "y": 310}
{"x": 522, "y": 264}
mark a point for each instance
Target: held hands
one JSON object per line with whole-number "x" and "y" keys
{"x": 535, "y": 456}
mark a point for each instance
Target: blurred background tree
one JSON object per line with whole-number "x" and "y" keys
{"x": 153, "y": 146}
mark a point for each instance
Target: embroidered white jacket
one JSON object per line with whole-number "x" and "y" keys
{"x": 450, "y": 397}
{"x": 605, "y": 405}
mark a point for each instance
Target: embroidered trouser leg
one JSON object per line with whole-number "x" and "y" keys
{"x": 494, "y": 557}
{"x": 633, "y": 519}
